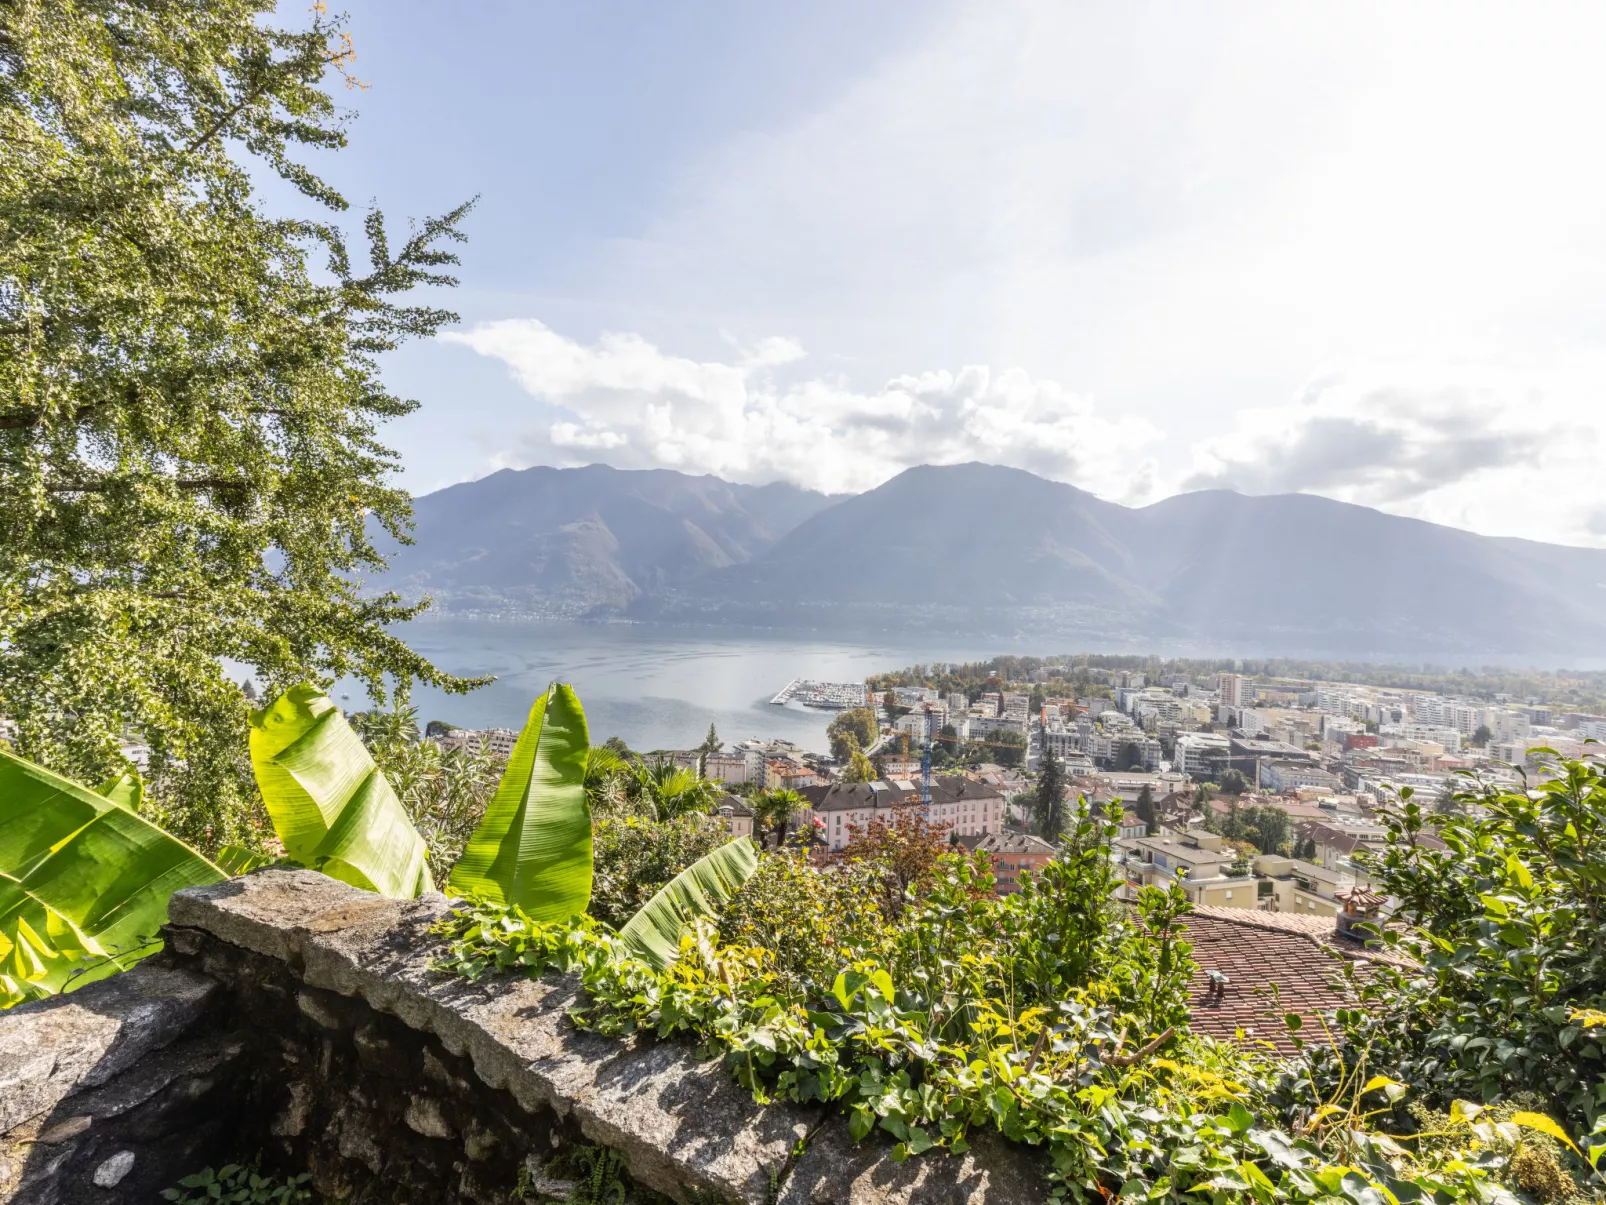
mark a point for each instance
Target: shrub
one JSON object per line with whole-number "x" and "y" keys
{"x": 1510, "y": 917}
{"x": 809, "y": 919}
{"x": 635, "y": 856}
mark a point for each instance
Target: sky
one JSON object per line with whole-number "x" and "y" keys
{"x": 1353, "y": 249}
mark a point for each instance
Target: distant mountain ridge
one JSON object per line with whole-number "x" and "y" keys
{"x": 574, "y": 541}
{"x": 984, "y": 550}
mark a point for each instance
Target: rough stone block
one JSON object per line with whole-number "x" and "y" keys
{"x": 53, "y": 1047}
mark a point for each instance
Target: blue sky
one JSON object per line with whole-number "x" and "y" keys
{"x": 1349, "y": 248}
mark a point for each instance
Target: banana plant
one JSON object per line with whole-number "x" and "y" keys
{"x": 332, "y": 807}
{"x": 533, "y": 846}
{"x": 698, "y": 892}
{"x": 82, "y": 877}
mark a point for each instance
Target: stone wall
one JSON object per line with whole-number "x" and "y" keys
{"x": 295, "y": 1019}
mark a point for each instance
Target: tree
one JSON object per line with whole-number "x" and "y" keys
{"x": 859, "y": 768}
{"x": 774, "y": 809}
{"x": 1048, "y": 806}
{"x": 858, "y": 722}
{"x": 1145, "y": 810}
{"x": 894, "y": 709}
{"x": 1482, "y": 736}
{"x": 710, "y": 746}
{"x": 1233, "y": 782}
{"x": 189, "y": 461}
{"x": 948, "y": 740}
{"x": 1008, "y": 747}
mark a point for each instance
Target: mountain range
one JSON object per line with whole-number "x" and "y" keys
{"x": 988, "y": 551}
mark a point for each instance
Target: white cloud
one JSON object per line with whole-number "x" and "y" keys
{"x": 1488, "y": 448}
{"x": 624, "y": 401}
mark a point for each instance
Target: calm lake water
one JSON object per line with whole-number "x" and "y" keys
{"x": 658, "y": 688}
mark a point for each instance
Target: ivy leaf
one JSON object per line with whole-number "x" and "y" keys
{"x": 1544, "y": 1125}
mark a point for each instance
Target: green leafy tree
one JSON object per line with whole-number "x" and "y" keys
{"x": 1482, "y": 736}
{"x": 859, "y": 768}
{"x": 856, "y": 722}
{"x": 1233, "y": 782}
{"x": 1008, "y": 747}
{"x": 190, "y": 466}
{"x": 1048, "y": 804}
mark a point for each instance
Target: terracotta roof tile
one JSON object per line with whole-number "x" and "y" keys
{"x": 1301, "y": 955}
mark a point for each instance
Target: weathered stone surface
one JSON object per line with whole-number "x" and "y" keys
{"x": 836, "y": 1171}
{"x": 56, "y": 1046}
{"x": 111, "y": 1173}
{"x": 319, "y": 1032}
{"x": 682, "y": 1127}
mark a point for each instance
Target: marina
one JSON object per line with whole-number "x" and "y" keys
{"x": 828, "y": 696}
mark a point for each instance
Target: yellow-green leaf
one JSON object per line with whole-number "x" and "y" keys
{"x": 1543, "y": 1124}
{"x": 80, "y": 876}
{"x": 699, "y": 891}
{"x": 330, "y": 804}
{"x": 533, "y": 846}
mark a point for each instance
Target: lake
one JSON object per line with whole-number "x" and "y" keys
{"x": 658, "y": 688}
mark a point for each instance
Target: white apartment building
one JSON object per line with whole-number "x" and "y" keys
{"x": 1435, "y": 734}
{"x": 1235, "y": 690}
{"x": 1192, "y": 748}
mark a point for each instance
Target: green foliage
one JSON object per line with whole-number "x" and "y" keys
{"x": 331, "y": 806}
{"x": 1048, "y": 802}
{"x": 445, "y": 792}
{"x": 236, "y": 1184}
{"x": 533, "y": 847}
{"x": 808, "y": 919}
{"x": 859, "y": 768}
{"x": 1266, "y": 828}
{"x": 82, "y": 878}
{"x": 633, "y": 857}
{"x": 1511, "y": 916}
{"x": 697, "y": 893}
{"x": 665, "y": 790}
{"x": 1049, "y": 1015}
{"x": 857, "y": 723}
{"x": 190, "y": 394}
{"x": 773, "y": 809}
{"x": 1007, "y": 747}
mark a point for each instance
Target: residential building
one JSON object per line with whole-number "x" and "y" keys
{"x": 499, "y": 741}
{"x": 1195, "y": 751}
{"x": 786, "y": 775}
{"x": 1012, "y": 855}
{"x": 1202, "y": 861}
{"x": 1281, "y": 776}
{"x": 738, "y": 817}
{"x": 967, "y": 807}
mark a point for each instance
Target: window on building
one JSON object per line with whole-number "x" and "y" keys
{"x": 1229, "y": 895}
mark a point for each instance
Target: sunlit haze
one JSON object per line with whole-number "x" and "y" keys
{"x": 1351, "y": 249}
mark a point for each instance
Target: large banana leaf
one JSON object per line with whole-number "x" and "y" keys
{"x": 330, "y": 804}
{"x": 699, "y": 891}
{"x": 80, "y": 875}
{"x": 533, "y": 846}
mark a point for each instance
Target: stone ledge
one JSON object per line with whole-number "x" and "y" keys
{"x": 683, "y": 1126}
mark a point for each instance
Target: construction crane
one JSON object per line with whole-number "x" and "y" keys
{"x": 925, "y": 763}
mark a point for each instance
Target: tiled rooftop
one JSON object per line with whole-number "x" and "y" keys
{"x": 1300, "y": 954}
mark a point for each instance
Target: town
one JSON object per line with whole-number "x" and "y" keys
{"x": 1257, "y": 790}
